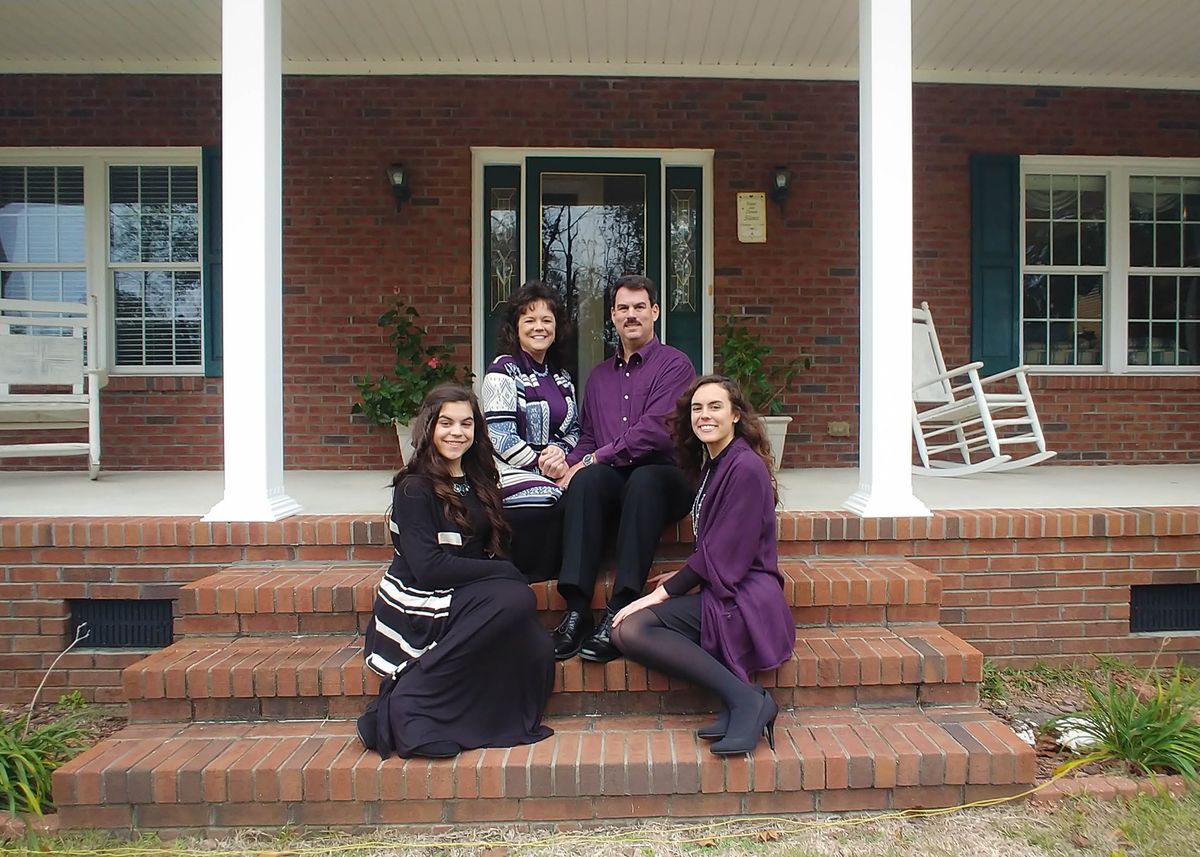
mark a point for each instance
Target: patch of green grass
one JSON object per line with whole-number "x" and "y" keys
{"x": 1002, "y": 683}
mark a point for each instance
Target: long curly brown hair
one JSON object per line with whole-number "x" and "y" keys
{"x": 478, "y": 463}
{"x": 690, "y": 450}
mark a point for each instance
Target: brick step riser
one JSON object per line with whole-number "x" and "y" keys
{"x": 570, "y": 812}
{"x": 267, "y": 624}
{"x": 585, "y": 703}
{"x": 267, "y": 775}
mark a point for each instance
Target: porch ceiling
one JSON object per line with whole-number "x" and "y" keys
{"x": 1147, "y": 43}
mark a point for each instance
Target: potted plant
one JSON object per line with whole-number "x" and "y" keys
{"x": 744, "y": 357}
{"x": 394, "y": 401}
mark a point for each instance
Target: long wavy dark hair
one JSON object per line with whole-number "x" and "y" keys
{"x": 478, "y": 463}
{"x": 691, "y": 451}
{"x": 507, "y": 340}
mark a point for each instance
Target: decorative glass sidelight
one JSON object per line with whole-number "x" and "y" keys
{"x": 503, "y": 264}
{"x": 681, "y": 227}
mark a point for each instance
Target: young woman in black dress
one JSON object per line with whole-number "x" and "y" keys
{"x": 454, "y": 633}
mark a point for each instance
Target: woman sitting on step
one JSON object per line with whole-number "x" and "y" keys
{"x": 454, "y": 633}
{"x": 533, "y": 422}
{"x": 739, "y": 622}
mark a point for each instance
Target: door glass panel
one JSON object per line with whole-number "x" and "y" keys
{"x": 593, "y": 231}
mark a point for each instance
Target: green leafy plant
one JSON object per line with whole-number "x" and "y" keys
{"x": 764, "y": 378}
{"x": 28, "y": 758}
{"x": 419, "y": 368}
{"x": 1155, "y": 730}
{"x": 73, "y": 701}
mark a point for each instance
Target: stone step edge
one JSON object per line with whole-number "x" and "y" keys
{"x": 246, "y": 667}
{"x": 343, "y": 587}
{"x": 591, "y": 768}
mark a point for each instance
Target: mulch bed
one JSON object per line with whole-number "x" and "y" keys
{"x": 100, "y": 720}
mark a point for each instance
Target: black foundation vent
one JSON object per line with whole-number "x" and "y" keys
{"x": 1164, "y": 607}
{"x": 123, "y": 623}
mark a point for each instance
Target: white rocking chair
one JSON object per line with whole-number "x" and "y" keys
{"x": 51, "y": 360}
{"x": 966, "y": 424}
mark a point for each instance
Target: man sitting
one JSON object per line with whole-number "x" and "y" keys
{"x": 622, "y": 470}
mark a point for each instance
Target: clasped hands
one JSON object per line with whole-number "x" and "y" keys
{"x": 552, "y": 461}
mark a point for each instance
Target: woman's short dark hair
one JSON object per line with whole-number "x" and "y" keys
{"x": 507, "y": 341}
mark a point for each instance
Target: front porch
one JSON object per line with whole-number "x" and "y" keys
{"x": 59, "y": 494}
{"x": 893, "y": 616}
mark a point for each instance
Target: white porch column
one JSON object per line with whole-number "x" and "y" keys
{"x": 252, "y": 233}
{"x": 886, "y": 261}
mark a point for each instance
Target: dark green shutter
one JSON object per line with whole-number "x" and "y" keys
{"x": 995, "y": 261}
{"x": 210, "y": 262}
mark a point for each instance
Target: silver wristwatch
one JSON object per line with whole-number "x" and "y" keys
{"x": 589, "y": 460}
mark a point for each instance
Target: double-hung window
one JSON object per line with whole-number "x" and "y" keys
{"x": 122, "y": 226}
{"x": 1110, "y": 277}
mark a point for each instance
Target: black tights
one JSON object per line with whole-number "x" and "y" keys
{"x": 645, "y": 638}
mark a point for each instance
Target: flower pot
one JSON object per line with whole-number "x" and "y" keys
{"x": 777, "y": 428}
{"x": 403, "y": 439}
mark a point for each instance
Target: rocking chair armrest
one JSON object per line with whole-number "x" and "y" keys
{"x": 967, "y": 369}
{"x": 1006, "y": 374}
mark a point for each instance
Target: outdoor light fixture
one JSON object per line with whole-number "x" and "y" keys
{"x": 781, "y": 185}
{"x": 398, "y": 179}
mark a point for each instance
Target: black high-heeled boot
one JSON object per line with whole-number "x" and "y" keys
{"x": 715, "y": 731}
{"x": 743, "y": 732}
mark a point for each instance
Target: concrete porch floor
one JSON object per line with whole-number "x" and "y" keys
{"x": 360, "y": 492}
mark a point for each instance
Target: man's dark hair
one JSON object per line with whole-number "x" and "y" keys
{"x": 637, "y": 283}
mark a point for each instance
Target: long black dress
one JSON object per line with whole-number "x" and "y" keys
{"x": 459, "y": 633}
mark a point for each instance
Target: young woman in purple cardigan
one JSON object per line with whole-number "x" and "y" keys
{"x": 739, "y": 622}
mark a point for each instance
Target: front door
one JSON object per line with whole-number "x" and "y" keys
{"x": 587, "y": 222}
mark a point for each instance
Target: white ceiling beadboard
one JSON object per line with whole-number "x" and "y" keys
{"x": 1134, "y": 43}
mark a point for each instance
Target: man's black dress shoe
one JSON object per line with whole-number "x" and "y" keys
{"x": 570, "y": 634}
{"x": 599, "y": 647}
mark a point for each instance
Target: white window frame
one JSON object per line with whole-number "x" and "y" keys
{"x": 95, "y": 163}
{"x": 1116, "y": 172}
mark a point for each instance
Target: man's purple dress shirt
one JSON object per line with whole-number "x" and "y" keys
{"x": 627, "y": 403}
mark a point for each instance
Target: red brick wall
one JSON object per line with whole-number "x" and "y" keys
{"x": 347, "y": 251}
{"x": 1022, "y": 586}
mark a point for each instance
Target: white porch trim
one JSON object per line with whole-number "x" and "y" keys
{"x": 886, "y": 262}
{"x": 252, "y": 232}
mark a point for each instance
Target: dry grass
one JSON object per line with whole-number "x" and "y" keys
{"x": 1080, "y": 828}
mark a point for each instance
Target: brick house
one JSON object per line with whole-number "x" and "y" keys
{"x": 1048, "y": 209}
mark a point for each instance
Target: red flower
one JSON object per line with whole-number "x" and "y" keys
{"x": 433, "y": 362}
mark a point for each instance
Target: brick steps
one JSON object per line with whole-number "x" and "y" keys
{"x": 336, "y": 597}
{"x": 247, "y": 720}
{"x": 252, "y": 678}
{"x": 214, "y": 776}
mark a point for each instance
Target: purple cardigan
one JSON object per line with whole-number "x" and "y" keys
{"x": 745, "y": 621}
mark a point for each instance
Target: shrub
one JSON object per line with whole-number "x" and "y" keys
{"x": 1157, "y": 730}
{"x": 419, "y": 368}
{"x": 763, "y": 376}
{"x": 28, "y": 758}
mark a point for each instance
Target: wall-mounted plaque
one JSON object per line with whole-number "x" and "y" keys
{"x": 752, "y": 218}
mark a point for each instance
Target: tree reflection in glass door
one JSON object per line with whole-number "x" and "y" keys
{"x": 593, "y": 231}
